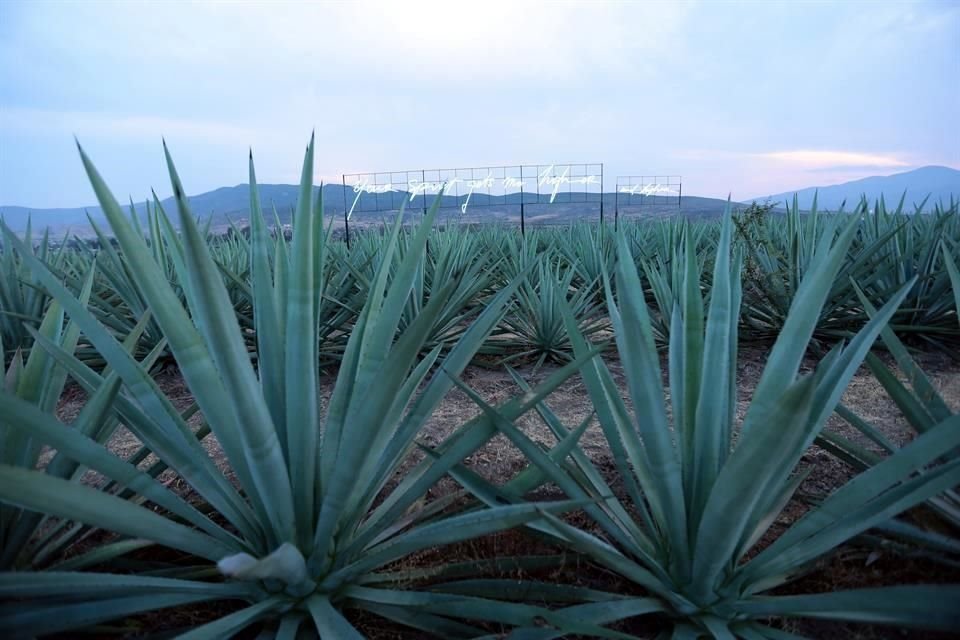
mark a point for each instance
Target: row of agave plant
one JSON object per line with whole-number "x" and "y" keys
{"x": 310, "y": 522}
{"x": 888, "y": 250}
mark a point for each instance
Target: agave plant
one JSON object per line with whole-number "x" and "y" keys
{"x": 40, "y": 382}
{"x": 888, "y": 250}
{"x": 923, "y": 408}
{"x": 535, "y": 324}
{"x": 667, "y": 276}
{"x": 534, "y": 327}
{"x": 22, "y": 303}
{"x": 117, "y": 302}
{"x": 692, "y": 527}
{"x": 590, "y": 251}
{"x": 309, "y": 516}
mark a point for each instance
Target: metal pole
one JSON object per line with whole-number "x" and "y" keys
{"x": 423, "y": 179}
{"x": 640, "y": 206}
{"x": 523, "y": 230}
{"x": 601, "y": 193}
{"x": 679, "y": 193}
{"x": 616, "y": 207}
{"x": 346, "y": 217}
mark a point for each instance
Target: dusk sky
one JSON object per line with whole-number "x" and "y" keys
{"x": 746, "y": 98}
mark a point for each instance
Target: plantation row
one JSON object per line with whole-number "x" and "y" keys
{"x": 320, "y": 512}
{"x": 888, "y": 250}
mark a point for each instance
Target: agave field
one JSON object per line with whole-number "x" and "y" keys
{"x": 294, "y": 494}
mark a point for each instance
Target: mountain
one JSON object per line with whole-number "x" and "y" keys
{"x": 225, "y": 203}
{"x": 232, "y": 204}
{"x": 937, "y": 182}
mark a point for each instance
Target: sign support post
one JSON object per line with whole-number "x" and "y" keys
{"x": 616, "y": 210}
{"x": 601, "y": 193}
{"x": 523, "y": 231}
{"x": 423, "y": 179}
{"x": 346, "y": 214}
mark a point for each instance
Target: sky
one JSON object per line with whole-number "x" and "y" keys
{"x": 745, "y": 98}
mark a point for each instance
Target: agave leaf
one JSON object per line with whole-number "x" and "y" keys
{"x": 300, "y": 373}
{"x": 67, "y": 583}
{"x": 371, "y": 342}
{"x": 330, "y": 623}
{"x": 838, "y": 368}
{"x": 253, "y": 430}
{"x": 436, "y": 625}
{"x": 466, "y": 440}
{"x": 447, "y": 531}
{"x": 235, "y": 622}
{"x": 591, "y": 476}
{"x": 742, "y": 483}
{"x": 266, "y": 313}
{"x": 527, "y": 590}
{"x": 19, "y": 450}
{"x": 40, "y": 492}
{"x": 924, "y": 606}
{"x": 482, "y": 609}
{"x": 173, "y": 441}
{"x": 685, "y": 365}
{"x": 954, "y": 274}
{"x": 453, "y": 365}
{"x": 27, "y": 622}
{"x": 615, "y": 422}
{"x": 638, "y": 351}
{"x": 785, "y": 358}
{"x": 933, "y": 403}
{"x": 289, "y": 626}
{"x": 102, "y": 554}
{"x": 863, "y": 490}
{"x": 549, "y": 466}
{"x": 711, "y": 426}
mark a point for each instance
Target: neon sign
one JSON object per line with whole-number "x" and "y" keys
{"x": 648, "y": 189}
{"x": 547, "y": 179}
{"x": 635, "y": 192}
{"x": 535, "y": 184}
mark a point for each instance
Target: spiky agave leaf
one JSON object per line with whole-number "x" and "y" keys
{"x": 924, "y": 408}
{"x": 698, "y": 503}
{"x": 299, "y": 529}
{"x": 36, "y": 386}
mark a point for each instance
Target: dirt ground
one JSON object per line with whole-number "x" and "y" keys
{"x": 499, "y": 460}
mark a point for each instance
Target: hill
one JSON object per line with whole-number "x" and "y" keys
{"x": 937, "y": 182}
{"x": 228, "y": 204}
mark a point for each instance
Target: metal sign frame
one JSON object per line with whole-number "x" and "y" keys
{"x": 470, "y": 187}
{"x": 645, "y": 190}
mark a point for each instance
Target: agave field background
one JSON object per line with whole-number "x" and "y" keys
{"x": 296, "y": 485}
{"x": 891, "y": 247}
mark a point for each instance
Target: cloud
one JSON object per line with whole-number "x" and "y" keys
{"x": 767, "y": 172}
{"x": 814, "y": 160}
{"x": 802, "y": 159}
{"x": 644, "y": 87}
{"x": 41, "y": 122}
{"x": 412, "y": 43}
{"x": 857, "y": 169}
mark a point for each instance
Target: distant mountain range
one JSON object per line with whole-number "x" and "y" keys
{"x": 937, "y": 182}
{"x": 232, "y": 204}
